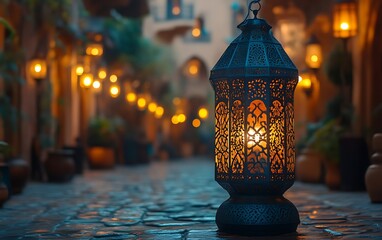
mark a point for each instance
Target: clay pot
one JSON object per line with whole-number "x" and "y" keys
{"x": 309, "y": 166}
{"x": 101, "y": 157}
{"x": 374, "y": 172}
{"x": 19, "y": 174}
{"x": 3, "y": 194}
{"x": 59, "y": 166}
{"x": 332, "y": 175}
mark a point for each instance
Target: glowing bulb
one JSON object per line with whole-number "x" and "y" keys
{"x": 86, "y": 80}
{"x": 102, "y": 74}
{"x": 344, "y": 26}
{"x": 113, "y": 78}
{"x": 196, "y": 123}
{"x": 299, "y": 79}
{"x": 193, "y": 69}
{"x": 96, "y": 84}
{"x": 257, "y": 138}
{"x": 152, "y": 107}
{"x": 114, "y": 91}
{"x": 175, "y": 120}
{"x": 159, "y": 112}
{"x": 196, "y": 32}
{"x": 37, "y": 68}
{"x": 95, "y": 52}
{"x": 131, "y": 97}
{"x": 203, "y": 113}
{"x": 182, "y": 118}
{"x": 79, "y": 70}
{"x": 314, "y": 58}
{"x": 141, "y": 103}
{"x": 176, "y": 10}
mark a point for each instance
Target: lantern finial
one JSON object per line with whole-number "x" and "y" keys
{"x": 254, "y": 11}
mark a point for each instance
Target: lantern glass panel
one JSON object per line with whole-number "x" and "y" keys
{"x": 345, "y": 19}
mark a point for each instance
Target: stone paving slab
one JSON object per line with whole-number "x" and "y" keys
{"x": 170, "y": 200}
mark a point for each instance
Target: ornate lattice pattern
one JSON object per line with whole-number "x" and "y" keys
{"x": 274, "y": 58}
{"x": 222, "y": 138}
{"x": 237, "y": 89}
{"x": 276, "y": 137}
{"x": 256, "y": 55}
{"x": 257, "y": 138}
{"x": 222, "y": 90}
{"x": 290, "y": 139}
{"x": 226, "y": 58}
{"x": 257, "y": 89}
{"x": 237, "y": 137}
{"x": 277, "y": 89}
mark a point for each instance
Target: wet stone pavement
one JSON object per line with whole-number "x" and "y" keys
{"x": 170, "y": 200}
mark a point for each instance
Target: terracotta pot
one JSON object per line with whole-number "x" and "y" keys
{"x": 3, "y": 194}
{"x": 101, "y": 157}
{"x": 59, "y": 166}
{"x": 309, "y": 166}
{"x": 19, "y": 174}
{"x": 374, "y": 172}
{"x": 332, "y": 176}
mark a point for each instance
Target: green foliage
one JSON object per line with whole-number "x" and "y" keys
{"x": 129, "y": 48}
{"x": 326, "y": 141}
{"x": 101, "y": 132}
{"x": 339, "y": 65}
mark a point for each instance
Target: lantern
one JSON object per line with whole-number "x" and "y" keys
{"x": 345, "y": 19}
{"x": 306, "y": 83}
{"x": 114, "y": 90}
{"x": 79, "y": 70}
{"x": 254, "y": 83}
{"x": 94, "y": 49}
{"x": 86, "y": 80}
{"x": 37, "y": 69}
{"x": 313, "y": 57}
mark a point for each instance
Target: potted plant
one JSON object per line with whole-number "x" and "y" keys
{"x": 326, "y": 142}
{"x": 100, "y": 143}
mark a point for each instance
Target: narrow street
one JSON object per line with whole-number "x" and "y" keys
{"x": 169, "y": 200}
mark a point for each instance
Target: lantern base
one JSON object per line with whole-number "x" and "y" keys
{"x": 257, "y": 216}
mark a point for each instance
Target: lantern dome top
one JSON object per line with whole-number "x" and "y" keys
{"x": 254, "y": 53}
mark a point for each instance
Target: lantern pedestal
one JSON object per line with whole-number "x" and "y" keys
{"x": 257, "y": 216}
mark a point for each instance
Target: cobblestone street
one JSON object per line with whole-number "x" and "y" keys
{"x": 169, "y": 200}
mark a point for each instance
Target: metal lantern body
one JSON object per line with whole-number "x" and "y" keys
{"x": 254, "y": 83}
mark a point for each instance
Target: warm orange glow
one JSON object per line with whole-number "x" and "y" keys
{"x": 94, "y": 49}
{"x": 299, "y": 79}
{"x": 196, "y": 123}
{"x": 313, "y": 55}
{"x": 193, "y": 69}
{"x": 175, "y": 120}
{"x": 86, "y": 80}
{"x": 152, "y": 107}
{"x": 38, "y": 69}
{"x": 113, "y": 78}
{"x": 306, "y": 81}
{"x": 102, "y": 74}
{"x": 176, "y": 10}
{"x": 114, "y": 91}
{"x": 141, "y": 103}
{"x": 159, "y": 112}
{"x": 79, "y": 70}
{"x": 196, "y": 32}
{"x": 182, "y": 118}
{"x": 345, "y": 19}
{"x": 96, "y": 84}
{"x": 203, "y": 113}
{"x": 131, "y": 97}
{"x": 176, "y": 101}
{"x": 344, "y": 26}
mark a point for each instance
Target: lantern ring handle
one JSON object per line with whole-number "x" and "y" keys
{"x": 254, "y": 11}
